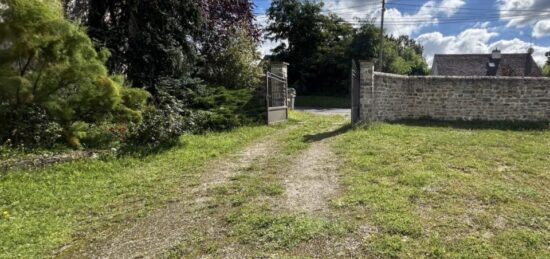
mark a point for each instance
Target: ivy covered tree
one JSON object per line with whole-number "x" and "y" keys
{"x": 49, "y": 66}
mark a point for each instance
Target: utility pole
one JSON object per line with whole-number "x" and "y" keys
{"x": 381, "y": 57}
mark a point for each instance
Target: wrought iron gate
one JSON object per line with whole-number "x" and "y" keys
{"x": 277, "y": 94}
{"x": 355, "y": 91}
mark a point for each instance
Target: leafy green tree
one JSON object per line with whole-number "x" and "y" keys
{"x": 402, "y": 55}
{"x": 49, "y": 63}
{"x": 314, "y": 44}
{"x": 149, "y": 40}
{"x": 235, "y": 67}
{"x": 225, "y": 24}
{"x": 155, "y": 40}
{"x": 320, "y": 47}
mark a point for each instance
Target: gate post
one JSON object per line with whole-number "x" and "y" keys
{"x": 279, "y": 68}
{"x": 277, "y": 92}
{"x": 366, "y": 92}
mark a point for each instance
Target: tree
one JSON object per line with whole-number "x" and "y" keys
{"x": 235, "y": 67}
{"x": 316, "y": 45}
{"x": 320, "y": 47}
{"x": 402, "y": 55}
{"x": 149, "y": 40}
{"x": 221, "y": 20}
{"x": 49, "y": 64}
{"x": 227, "y": 43}
{"x": 155, "y": 40}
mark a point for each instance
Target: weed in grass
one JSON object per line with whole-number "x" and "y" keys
{"x": 261, "y": 226}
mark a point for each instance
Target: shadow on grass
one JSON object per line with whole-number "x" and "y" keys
{"x": 477, "y": 125}
{"x": 329, "y": 134}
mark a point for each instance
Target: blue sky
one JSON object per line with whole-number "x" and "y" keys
{"x": 452, "y": 26}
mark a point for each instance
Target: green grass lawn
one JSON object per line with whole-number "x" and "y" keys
{"x": 406, "y": 191}
{"x": 43, "y": 209}
{"x": 322, "y": 102}
{"x": 426, "y": 191}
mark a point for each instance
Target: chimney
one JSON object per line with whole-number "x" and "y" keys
{"x": 496, "y": 54}
{"x": 531, "y": 50}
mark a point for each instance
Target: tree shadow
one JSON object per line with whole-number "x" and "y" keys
{"x": 478, "y": 125}
{"x": 326, "y": 135}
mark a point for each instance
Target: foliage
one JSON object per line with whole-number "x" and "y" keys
{"x": 223, "y": 21}
{"x": 50, "y": 70}
{"x": 154, "y": 40}
{"x": 321, "y": 46}
{"x": 404, "y": 56}
{"x": 546, "y": 70}
{"x": 235, "y": 66}
{"x": 162, "y": 123}
{"x": 218, "y": 108}
{"x": 149, "y": 40}
{"x": 28, "y": 125}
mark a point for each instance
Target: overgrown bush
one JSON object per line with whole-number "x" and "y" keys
{"x": 49, "y": 65}
{"x": 190, "y": 107}
{"x": 28, "y": 125}
{"x": 104, "y": 135}
{"x": 162, "y": 123}
{"x": 221, "y": 109}
{"x": 236, "y": 66}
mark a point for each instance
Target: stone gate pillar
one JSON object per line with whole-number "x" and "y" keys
{"x": 367, "y": 96}
{"x": 279, "y": 88}
{"x": 279, "y": 68}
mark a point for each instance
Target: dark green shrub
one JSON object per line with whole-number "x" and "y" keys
{"x": 104, "y": 135}
{"x": 28, "y": 125}
{"x": 162, "y": 124}
{"x": 50, "y": 64}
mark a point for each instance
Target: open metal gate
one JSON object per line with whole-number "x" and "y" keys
{"x": 355, "y": 91}
{"x": 277, "y": 93}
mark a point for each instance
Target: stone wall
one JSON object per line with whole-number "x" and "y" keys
{"x": 389, "y": 97}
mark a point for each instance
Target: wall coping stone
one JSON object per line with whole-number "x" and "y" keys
{"x": 464, "y": 77}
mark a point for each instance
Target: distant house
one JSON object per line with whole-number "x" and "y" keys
{"x": 495, "y": 64}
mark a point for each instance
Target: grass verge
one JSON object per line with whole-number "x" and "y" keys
{"x": 42, "y": 209}
{"x": 446, "y": 191}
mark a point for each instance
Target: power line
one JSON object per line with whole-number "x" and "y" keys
{"x": 472, "y": 9}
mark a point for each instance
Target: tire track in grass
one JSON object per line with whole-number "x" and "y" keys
{"x": 169, "y": 226}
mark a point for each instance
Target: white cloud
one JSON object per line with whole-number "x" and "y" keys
{"x": 397, "y": 22}
{"x": 266, "y": 46}
{"x": 522, "y": 13}
{"x": 473, "y": 41}
{"x": 468, "y": 41}
{"x": 518, "y": 46}
{"x": 541, "y": 29}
